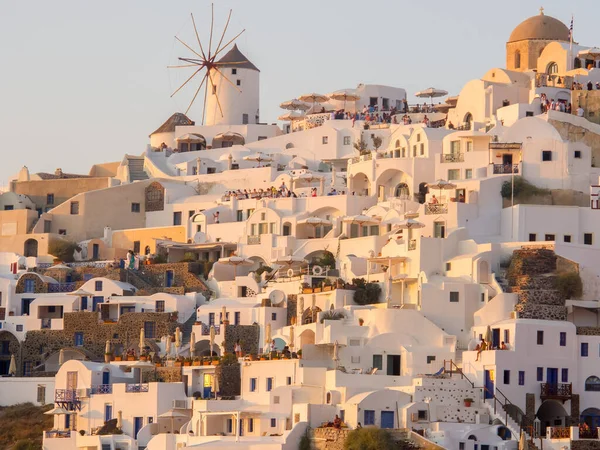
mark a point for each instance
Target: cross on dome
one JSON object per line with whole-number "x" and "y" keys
{"x": 541, "y": 10}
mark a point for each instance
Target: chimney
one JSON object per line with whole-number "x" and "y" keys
{"x": 58, "y": 172}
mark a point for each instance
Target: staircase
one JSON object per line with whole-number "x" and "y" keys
{"x": 186, "y": 331}
{"x": 134, "y": 278}
{"x": 136, "y": 168}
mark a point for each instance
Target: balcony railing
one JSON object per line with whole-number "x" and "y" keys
{"x": 65, "y": 395}
{"x": 102, "y": 389}
{"x": 436, "y": 208}
{"x": 505, "y": 169}
{"x": 556, "y": 391}
{"x": 57, "y": 434}
{"x": 254, "y": 240}
{"x": 560, "y": 432}
{"x": 453, "y": 157}
{"x": 46, "y": 324}
{"x": 62, "y": 287}
{"x": 206, "y": 329}
{"x": 553, "y": 80}
{"x": 412, "y": 244}
{"x": 140, "y": 387}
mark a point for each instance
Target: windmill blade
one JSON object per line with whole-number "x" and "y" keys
{"x": 197, "y": 37}
{"x": 190, "y": 48}
{"x": 224, "y": 31}
{"x": 196, "y": 94}
{"x": 216, "y": 95}
{"x": 186, "y": 65}
{"x": 186, "y": 81}
{"x": 212, "y": 22}
{"x": 227, "y": 45}
{"x": 230, "y": 82}
{"x": 205, "y": 93}
{"x": 192, "y": 60}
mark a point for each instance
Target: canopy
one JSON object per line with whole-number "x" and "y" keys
{"x": 142, "y": 365}
{"x": 441, "y": 185}
{"x": 593, "y": 52}
{"x": 407, "y": 224}
{"x": 313, "y": 98}
{"x": 291, "y": 116}
{"x": 57, "y": 411}
{"x": 259, "y": 156}
{"x": 344, "y": 95}
{"x": 191, "y": 137}
{"x": 307, "y": 176}
{"x": 431, "y": 93}
{"x": 80, "y": 293}
{"x": 142, "y": 339}
{"x": 361, "y": 219}
{"x": 314, "y": 221}
{"x": 294, "y": 104}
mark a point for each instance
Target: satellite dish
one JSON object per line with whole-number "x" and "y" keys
{"x": 277, "y": 297}
{"x": 199, "y": 238}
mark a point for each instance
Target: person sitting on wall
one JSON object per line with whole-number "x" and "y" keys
{"x": 434, "y": 201}
{"x": 503, "y": 346}
{"x": 482, "y": 347}
{"x": 337, "y": 422}
{"x": 216, "y": 217}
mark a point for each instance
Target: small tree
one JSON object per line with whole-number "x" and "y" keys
{"x": 360, "y": 145}
{"x": 569, "y": 285}
{"x": 377, "y": 141}
{"x": 369, "y": 439}
{"x": 63, "y": 249}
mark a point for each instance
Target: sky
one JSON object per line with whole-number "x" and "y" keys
{"x": 85, "y": 82}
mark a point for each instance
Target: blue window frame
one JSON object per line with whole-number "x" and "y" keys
{"x": 273, "y": 316}
{"x": 78, "y": 339}
{"x": 584, "y": 349}
{"x": 564, "y": 375}
{"x": 98, "y": 286}
{"x": 250, "y": 425}
{"x": 252, "y": 384}
{"x": 563, "y": 339}
{"x": 521, "y": 377}
{"x": 29, "y": 285}
{"x": 107, "y": 412}
{"x": 273, "y": 423}
{"x": 540, "y": 374}
{"x": 150, "y": 330}
{"x": 269, "y": 384}
{"x": 230, "y": 426}
{"x": 369, "y": 417}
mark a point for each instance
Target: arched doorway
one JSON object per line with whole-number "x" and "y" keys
{"x": 307, "y": 337}
{"x": 30, "y": 248}
{"x": 309, "y": 315}
{"x": 551, "y": 414}
{"x": 591, "y": 417}
{"x": 202, "y": 348}
{"x": 402, "y": 191}
{"x": 484, "y": 272}
{"x": 468, "y": 121}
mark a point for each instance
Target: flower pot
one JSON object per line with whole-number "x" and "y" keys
{"x": 131, "y": 358}
{"x": 107, "y": 358}
{"x": 307, "y": 291}
{"x": 143, "y": 358}
{"x": 196, "y": 363}
{"x": 158, "y": 364}
{"x": 187, "y": 364}
{"x": 177, "y": 364}
{"x": 215, "y": 363}
{"x": 118, "y": 358}
{"x": 206, "y": 363}
{"x": 263, "y": 358}
{"x": 317, "y": 290}
{"x": 468, "y": 403}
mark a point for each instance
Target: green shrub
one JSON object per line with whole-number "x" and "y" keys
{"x": 369, "y": 439}
{"x": 569, "y": 285}
{"x": 332, "y": 315}
{"x": 304, "y": 443}
{"x": 229, "y": 359}
{"x": 366, "y": 293}
{"x": 263, "y": 269}
{"x": 523, "y": 189}
{"x": 63, "y": 249}
{"x": 327, "y": 260}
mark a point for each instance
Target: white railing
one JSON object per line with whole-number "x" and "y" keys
{"x": 436, "y": 208}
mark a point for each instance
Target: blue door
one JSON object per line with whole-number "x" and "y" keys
{"x": 551, "y": 375}
{"x": 138, "y": 422}
{"x": 25, "y": 302}
{"x": 169, "y": 278}
{"x": 387, "y": 419}
{"x": 84, "y": 303}
{"x": 95, "y": 251}
{"x": 107, "y": 412}
{"x": 496, "y": 338}
{"x": 489, "y": 384}
{"x": 96, "y": 301}
{"x": 105, "y": 377}
{"x": 207, "y": 392}
{"x": 67, "y": 421}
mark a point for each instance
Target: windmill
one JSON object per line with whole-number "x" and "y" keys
{"x": 205, "y": 64}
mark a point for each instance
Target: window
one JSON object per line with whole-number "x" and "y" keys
{"x": 483, "y": 296}
{"x": 211, "y": 319}
{"x": 454, "y": 296}
{"x": 51, "y": 309}
{"x": 62, "y": 232}
{"x": 448, "y": 266}
{"x": 236, "y": 318}
{"x": 74, "y": 208}
{"x": 276, "y": 399}
{"x": 577, "y": 154}
{"x": 549, "y": 237}
{"x": 19, "y": 327}
{"x": 454, "y": 147}
{"x": 587, "y": 238}
{"x": 454, "y": 174}
{"x": 532, "y": 237}
{"x": 564, "y": 375}
{"x": 233, "y": 71}
{"x": 506, "y": 336}
{"x": 41, "y": 393}
{"x": 239, "y": 215}
{"x": 229, "y": 426}
{"x": 135, "y": 207}
{"x": 430, "y": 359}
{"x": 355, "y": 359}
{"x": 325, "y": 139}
{"x": 50, "y": 199}
{"x": 468, "y": 174}
{"x": 98, "y": 286}
{"x": 507, "y": 377}
{"x": 269, "y": 384}
{"x": 563, "y": 339}
{"x": 378, "y": 362}
{"x": 150, "y": 330}
{"x": 47, "y": 226}
{"x": 260, "y": 138}
{"x": 177, "y": 218}
{"x": 369, "y": 417}
{"x": 546, "y": 155}
{"x": 540, "y": 337}
{"x": 191, "y": 213}
{"x": 540, "y": 374}
{"x": 521, "y": 378}
{"x": 250, "y": 425}
{"x": 160, "y": 306}
{"x": 567, "y": 238}
{"x": 469, "y": 146}
{"x": 9, "y": 207}
{"x": 592, "y": 384}
{"x": 252, "y": 384}
{"x": 273, "y": 316}
{"x": 238, "y": 82}
{"x": 584, "y": 349}
{"x": 273, "y": 423}
{"x": 245, "y": 119}
{"x": 517, "y": 59}
{"x": 422, "y": 149}
{"x": 136, "y": 246}
{"x": 288, "y": 381}
{"x": 29, "y": 285}
{"x": 461, "y": 446}
{"x": 78, "y": 339}
{"x": 347, "y": 140}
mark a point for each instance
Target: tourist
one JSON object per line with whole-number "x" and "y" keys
{"x": 337, "y": 422}
{"x": 503, "y": 346}
{"x": 568, "y": 109}
{"x": 482, "y": 347}
{"x": 238, "y": 349}
{"x": 580, "y": 111}
{"x": 434, "y": 201}
{"x": 131, "y": 259}
{"x": 590, "y": 86}
{"x": 216, "y": 217}
{"x": 461, "y": 197}
{"x": 426, "y": 120}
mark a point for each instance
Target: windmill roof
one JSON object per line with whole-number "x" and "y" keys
{"x": 176, "y": 120}
{"x": 235, "y": 56}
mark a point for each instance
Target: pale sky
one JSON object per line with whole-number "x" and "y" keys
{"x": 84, "y": 82}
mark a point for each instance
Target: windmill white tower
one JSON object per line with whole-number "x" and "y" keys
{"x": 238, "y": 96}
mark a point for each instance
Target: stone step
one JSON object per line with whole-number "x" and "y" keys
{"x": 542, "y": 312}
{"x": 541, "y": 297}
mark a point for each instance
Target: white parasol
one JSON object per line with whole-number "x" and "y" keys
{"x": 258, "y": 157}
{"x": 291, "y": 343}
{"x": 441, "y": 185}
{"x": 236, "y": 261}
{"x": 192, "y": 344}
{"x": 212, "y": 338}
{"x": 344, "y": 95}
{"x": 142, "y": 340}
{"x": 431, "y": 93}
{"x": 119, "y": 419}
{"x": 313, "y": 98}
{"x": 294, "y": 104}
{"x": 291, "y": 116}
{"x": 361, "y": 219}
{"x": 268, "y": 334}
{"x": 61, "y": 357}
{"x": 177, "y": 340}
{"x": 172, "y": 414}
{"x": 336, "y": 351}
{"x": 168, "y": 345}
{"x": 12, "y": 368}
{"x": 408, "y": 224}
{"x": 107, "y": 347}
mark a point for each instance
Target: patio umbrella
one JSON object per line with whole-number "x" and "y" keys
{"x": 441, "y": 185}
{"x": 12, "y": 368}
{"x": 344, "y": 95}
{"x": 268, "y": 333}
{"x": 172, "y": 414}
{"x": 119, "y": 419}
{"x": 215, "y": 384}
{"x": 408, "y": 224}
{"x": 61, "y": 357}
{"x": 336, "y": 351}
{"x": 58, "y": 411}
{"x": 168, "y": 345}
{"x": 362, "y": 219}
{"x": 212, "y": 339}
{"x": 107, "y": 347}
{"x": 308, "y": 177}
{"x": 291, "y": 116}
{"x": 593, "y": 53}
{"x": 192, "y": 344}
{"x": 259, "y": 157}
{"x": 142, "y": 340}
{"x": 177, "y": 340}
{"x": 313, "y": 98}
{"x": 313, "y": 307}
{"x": 294, "y": 104}
{"x": 236, "y": 261}
{"x": 138, "y": 367}
{"x": 395, "y": 220}
{"x": 488, "y": 335}
{"x": 301, "y": 308}
{"x": 431, "y": 93}
{"x": 291, "y": 344}
{"x": 314, "y": 222}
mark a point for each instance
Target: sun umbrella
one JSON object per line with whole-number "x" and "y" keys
{"x": 294, "y": 104}
{"x": 215, "y": 384}
{"x": 168, "y": 345}
{"x": 120, "y": 419}
{"x": 313, "y": 98}
{"x": 336, "y": 351}
{"x": 291, "y": 344}
{"x": 441, "y": 185}
{"x": 344, "y": 95}
{"x": 259, "y": 157}
{"x": 12, "y": 368}
{"x": 592, "y": 53}
{"x": 307, "y": 176}
{"x": 431, "y": 93}
{"x": 268, "y": 333}
{"x": 291, "y": 116}
{"x": 177, "y": 340}
{"x": 315, "y": 222}
{"x": 313, "y": 307}
{"x": 61, "y": 357}
{"x": 172, "y": 414}
{"x": 408, "y": 224}
{"x": 488, "y": 335}
{"x": 236, "y": 261}
{"x": 138, "y": 367}
{"x": 192, "y": 344}
{"x": 361, "y": 219}
{"x": 142, "y": 340}
{"x": 212, "y": 338}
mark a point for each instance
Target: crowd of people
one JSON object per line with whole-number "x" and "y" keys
{"x": 272, "y": 192}
{"x": 552, "y": 105}
{"x": 590, "y": 86}
{"x": 483, "y": 346}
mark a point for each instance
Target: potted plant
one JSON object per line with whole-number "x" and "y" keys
{"x": 158, "y": 364}
{"x": 264, "y": 357}
{"x": 299, "y": 354}
{"x": 196, "y": 362}
{"x": 118, "y": 358}
{"x": 130, "y": 355}
{"x": 215, "y": 361}
{"x": 206, "y": 361}
{"x": 187, "y": 362}
{"x": 178, "y": 362}
{"x": 361, "y": 321}
{"x": 197, "y": 395}
{"x": 253, "y": 357}
{"x": 306, "y": 288}
{"x": 327, "y": 285}
{"x": 143, "y": 357}
{"x": 468, "y": 402}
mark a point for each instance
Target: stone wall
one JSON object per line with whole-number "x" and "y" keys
{"x": 575, "y": 414}
{"x": 542, "y": 312}
{"x": 585, "y": 444}
{"x": 164, "y": 375}
{"x": 588, "y": 331}
{"x": 184, "y": 275}
{"x": 40, "y": 287}
{"x": 230, "y": 379}
{"x": 530, "y": 407}
{"x": 292, "y": 308}
{"x": 14, "y": 348}
{"x": 330, "y": 438}
{"x": 247, "y": 334}
{"x": 574, "y": 133}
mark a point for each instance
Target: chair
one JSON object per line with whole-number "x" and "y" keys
{"x": 374, "y": 371}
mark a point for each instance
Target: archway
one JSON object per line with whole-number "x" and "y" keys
{"x": 310, "y": 316}
{"x": 552, "y": 68}
{"x": 389, "y": 182}
{"x": 551, "y": 414}
{"x": 361, "y": 185}
{"x": 402, "y": 191}
{"x": 591, "y": 417}
{"x": 30, "y": 248}
{"x": 468, "y": 121}
{"x": 9, "y": 345}
{"x": 592, "y": 384}
{"x": 307, "y": 337}
{"x": 484, "y": 272}
{"x": 202, "y": 348}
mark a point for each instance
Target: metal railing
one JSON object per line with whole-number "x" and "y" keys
{"x": 412, "y": 244}
{"x": 436, "y": 208}
{"x": 206, "y": 329}
{"x": 62, "y": 287}
{"x": 65, "y": 395}
{"x": 500, "y": 169}
{"x": 560, "y": 433}
{"x": 102, "y": 389}
{"x": 253, "y": 240}
{"x": 558, "y": 391}
{"x": 553, "y": 80}
{"x": 57, "y": 434}
{"x": 452, "y": 157}
{"x": 138, "y": 387}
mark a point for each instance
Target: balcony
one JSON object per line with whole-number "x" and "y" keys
{"x": 452, "y": 157}
{"x": 140, "y": 387}
{"x": 556, "y": 391}
{"x": 206, "y": 329}
{"x": 102, "y": 389}
{"x": 500, "y": 169}
{"x": 56, "y": 434}
{"x": 412, "y": 244}
{"x": 553, "y": 80}
{"x": 68, "y": 399}
{"x": 436, "y": 208}
{"x": 62, "y": 287}
{"x": 253, "y": 240}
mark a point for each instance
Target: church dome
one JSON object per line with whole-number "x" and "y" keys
{"x": 540, "y": 27}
